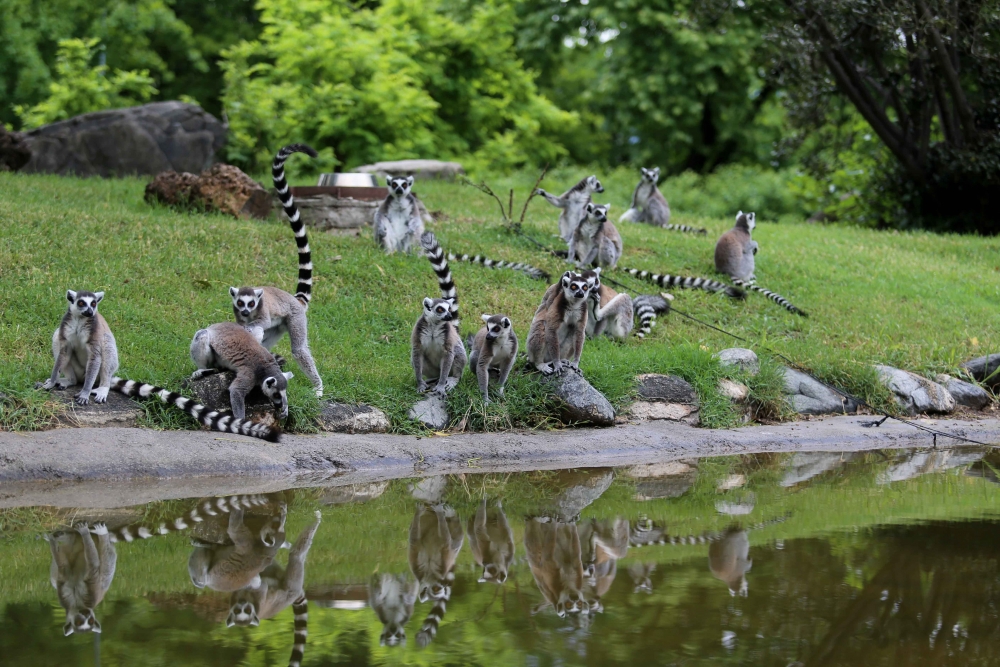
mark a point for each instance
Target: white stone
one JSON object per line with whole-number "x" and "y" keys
{"x": 739, "y": 357}
{"x": 672, "y": 411}
{"x": 810, "y": 397}
{"x": 735, "y": 391}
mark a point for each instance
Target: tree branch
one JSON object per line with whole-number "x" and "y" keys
{"x": 940, "y": 54}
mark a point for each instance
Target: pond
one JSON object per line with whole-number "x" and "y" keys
{"x": 875, "y": 558}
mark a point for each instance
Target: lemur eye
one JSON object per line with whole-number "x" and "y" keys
{"x": 250, "y": 305}
{"x": 81, "y": 303}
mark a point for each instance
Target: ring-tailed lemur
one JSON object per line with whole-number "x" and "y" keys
{"x": 206, "y": 508}
{"x": 84, "y": 349}
{"x": 531, "y": 271}
{"x": 215, "y": 420}
{"x": 436, "y": 256}
{"x": 81, "y": 572}
{"x": 572, "y": 203}
{"x": 559, "y": 326}
{"x": 494, "y": 348}
{"x": 435, "y": 541}
{"x": 603, "y": 543}
{"x": 650, "y": 206}
{"x": 492, "y": 542}
{"x": 436, "y": 351}
{"x": 641, "y": 574}
{"x": 734, "y": 256}
{"x": 644, "y": 533}
{"x": 555, "y": 559}
{"x": 398, "y": 220}
{"x": 392, "y": 597}
{"x": 227, "y": 346}
{"x": 612, "y": 313}
{"x": 269, "y": 311}
{"x": 596, "y": 240}
{"x": 688, "y": 282}
{"x": 230, "y": 567}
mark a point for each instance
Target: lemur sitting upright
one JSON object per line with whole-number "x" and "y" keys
{"x": 596, "y": 240}
{"x": 650, "y": 206}
{"x": 399, "y": 221}
{"x": 572, "y": 203}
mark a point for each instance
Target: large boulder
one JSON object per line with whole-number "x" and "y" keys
{"x": 345, "y": 418}
{"x": 808, "y": 396}
{"x": 983, "y": 367}
{"x": 14, "y": 150}
{"x": 916, "y": 394}
{"x": 965, "y": 393}
{"x": 223, "y": 188}
{"x": 665, "y": 397}
{"x": 147, "y": 139}
{"x": 419, "y": 169}
{"x": 212, "y": 391}
{"x": 579, "y": 400}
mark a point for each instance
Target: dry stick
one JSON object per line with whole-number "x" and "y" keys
{"x": 531, "y": 195}
{"x": 482, "y": 187}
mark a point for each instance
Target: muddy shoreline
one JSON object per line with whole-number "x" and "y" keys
{"x": 116, "y": 467}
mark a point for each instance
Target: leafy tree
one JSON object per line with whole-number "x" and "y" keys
{"x": 404, "y": 78}
{"x": 80, "y": 87}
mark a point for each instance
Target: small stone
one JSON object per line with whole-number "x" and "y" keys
{"x": 118, "y": 411}
{"x": 212, "y": 391}
{"x": 432, "y": 412}
{"x": 965, "y": 393}
{"x": 344, "y": 418}
{"x": 671, "y": 411}
{"x": 735, "y": 391}
{"x": 419, "y": 169}
{"x": 739, "y": 357}
{"x": 580, "y": 401}
{"x": 732, "y": 482}
{"x": 811, "y": 397}
{"x": 984, "y": 367}
{"x": 916, "y": 394}
{"x": 666, "y": 389}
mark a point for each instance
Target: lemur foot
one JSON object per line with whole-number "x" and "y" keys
{"x": 101, "y": 394}
{"x": 99, "y": 528}
{"x": 202, "y": 372}
{"x": 47, "y": 385}
{"x": 82, "y": 398}
{"x": 422, "y": 387}
{"x": 319, "y": 392}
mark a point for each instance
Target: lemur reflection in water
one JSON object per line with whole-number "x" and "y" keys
{"x": 81, "y": 572}
{"x": 492, "y": 542}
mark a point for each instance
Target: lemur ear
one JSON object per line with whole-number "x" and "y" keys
{"x": 288, "y": 375}
{"x": 590, "y": 208}
{"x": 233, "y": 292}
{"x": 656, "y": 172}
{"x": 70, "y": 295}
{"x": 607, "y": 207}
{"x": 409, "y": 180}
{"x": 96, "y": 627}
{"x": 428, "y": 303}
{"x": 740, "y": 213}
{"x": 98, "y": 296}
{"x": 505, "y": 323}
{"x": 230, "y": 621}
{"x": 486, "y": 318}
{"x": 597, "y": 270}
{"x": 388, "y": 180}
{"x": 258, "y": 293}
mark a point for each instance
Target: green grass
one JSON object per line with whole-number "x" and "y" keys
{"x": 919, "y": 301}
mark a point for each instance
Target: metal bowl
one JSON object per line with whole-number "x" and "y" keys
{"x": 348, "y": 180}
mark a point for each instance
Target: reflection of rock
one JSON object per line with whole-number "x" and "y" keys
{"x": 965, "y": 393}
{"x": 730, "y": 508}
{"x": 118, "y": 411}
{"x": 430, "y": 489}
{"x": 223, "y": 188}
{"x": 212, "y": 391}
{"x": 432, "y": 412}
{"x": 806, "y": 465}
{"x": 662, "y": 480}
{"x": 580, "y": 401}
{"x": 420, "y": 169}
{"x": 983, "y": 367}
{"x": 344, "y": 418}
{"x": 578, "y": 489}
{"x": 917, "y": 463}
{"x": 339, "y": 596}
{"x": 810, "y": 397}
{"x": 915, "y": 394}
{"x": 731, "y": 482}
{"x": 354, "y": 493}
{"x": 739, "y": 358}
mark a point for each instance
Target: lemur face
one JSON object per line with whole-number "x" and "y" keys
{"x": 598, "y": 212}
{"x": 594, "y": 184}
{"x": 496, "y": 326}
{"x": 243, "y": 614}
{"x": 393, "y": 634}
{"x": 245, "y": 300}
{"x": 82, "y": 303}
{"x": 81, "y": 621}
{"x": 439, "y": 310}
{"x": 435, "y": 591}
{"x": 575, "y": 286}
{"x": 495, "y": 573}
{"x": 593, "y": 277}
{"x": 399, "y": 187}
{"x": 747, "y": 219}
{"x": 651, "y": 175}
{"x": 275, "y": 387}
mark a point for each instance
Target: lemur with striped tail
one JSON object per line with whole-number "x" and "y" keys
{"x": 734, "y": 256}
{"x": 494, "y": 348}
{"x": 596, "y": 241}
{"x": 532, "y": 272}
{"x": 436, "y": 350}
{"x": 213, "y": 419}
{"x": 572, "y": 202}
{"x": 230, "y": 567}
{"x": 81, "y": 572}
{"x": 686, "y": 282}
{"x": 207, "y": 508}
{"x": 269, "y": 312}
{"x": 559, "y": 327}
{"x": 392, "y": 598}
{"x": 650, "y": 206}
{"x": 612, "y": 313}
{"x": 399, "y": 221}
{"x": 436, "y": 539}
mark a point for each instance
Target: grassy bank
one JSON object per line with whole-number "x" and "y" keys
{"x": 918, "y": 301}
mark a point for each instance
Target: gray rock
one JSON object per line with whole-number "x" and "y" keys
{"x": 212, "y": 391}
{"x": 739, "y": 357}
{"x": 344, "y": 418}
{"x": 118, "y": 411}
{"x": 922, "y": 462}
{"x": 419, "y": 169}
{"x": 737, "y": 392}
{"x": 916, "y": 394}
{"x": 810, "y": 397}
{"x": 147, "y": 139}
{"x": 432, "y": 412}
{"x": 983, "y": 367}
{"x": 666, "y": 389}
{"x": 965, "y": 393}
{"x": 580, "y": 401}
{"x": 671, "y": 411}
{"x": 14, "y": 150}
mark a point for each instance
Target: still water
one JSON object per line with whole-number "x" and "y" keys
{"x": 879, "y": 558}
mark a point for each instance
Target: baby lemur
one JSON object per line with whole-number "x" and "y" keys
{"x": 572, "y": 203}
{"x": 269, "y": 312}
{"x": 596, "y": 240}
{"x": 494, "y": 348}
{"x": 557, "y": 331}
{"x": 84, "y": 349}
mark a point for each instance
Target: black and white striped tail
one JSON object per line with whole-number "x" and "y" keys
{"x": 636, "y": 539}
{"x": 303, "y": 292}
{"x": 301, "y": 610}
{"x": 439, "y": 262}
{"x": 646, "y": 307}
{"x": 687, "y": 282}
{"x": 531, "y": 271}
{"x": 217, "y": 421}
{"x": 433, "y": 621}
{"x": 209, "y": 507}
{"x": 773, "y": 296}
{"x": 686, "y": 228}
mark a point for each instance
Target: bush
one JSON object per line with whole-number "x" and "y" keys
{"x": 735, "y": 187}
